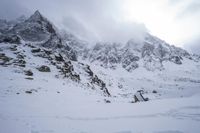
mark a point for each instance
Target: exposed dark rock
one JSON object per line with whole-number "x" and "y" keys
{"x": 4, "y": 59}
{"x": 31, "y": 46}
{"x": 59, "y": 57}
{"x": 94, "y": 80}
{"x": 130, "y": 66}
{"x": 101, "y": 84}
{"x": 68, "y": 71}
{"x": 16, "y": 52}
{"x": 75, "y": 77}
{"x": 44, "y": 68}
{"x": 28, "y": 92}
{"x": 88, "y": 70}
{"x": 20, "y": 62}
{"x": 43, "y": 55}
{"x": 48, "y": 51}
{"x": 154, "y": 91}
{"x": 13, "y": 48}
{"x": 138, "y": 97}
{"x": 28, "y": 72}
{"x": 176, "y": 59}
{"x": 107, "y": 101}
{"x": 20, "y": 56}
{"x": 67, "y": 68}
{"x": 9, "y": 38}
{"x": 29, "y": 78}
{"x": 35, "y": 50}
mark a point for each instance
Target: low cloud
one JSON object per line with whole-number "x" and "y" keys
{"x": 92, "y": 20}
{"x": 104, "y": 20}
{"x": 11, "y": 9}
{"x": 193, "y": 46}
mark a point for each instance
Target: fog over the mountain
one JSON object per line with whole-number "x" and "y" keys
{"x": 175, "y": 21}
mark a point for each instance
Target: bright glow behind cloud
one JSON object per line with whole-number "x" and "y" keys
{"x": 163, "y": 18}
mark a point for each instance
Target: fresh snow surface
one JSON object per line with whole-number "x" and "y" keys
{"x": 58, "y": 105}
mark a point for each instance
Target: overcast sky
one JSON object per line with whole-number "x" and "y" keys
{"x": 175, "y": 21}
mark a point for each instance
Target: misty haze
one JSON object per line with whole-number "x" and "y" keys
{"x": 99, "y": 66}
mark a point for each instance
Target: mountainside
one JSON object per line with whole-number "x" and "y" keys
{"x": 38, "y": 35}
{"x": 94, "y": 67}
{"x": 53, "y": 82}
{"x": 150, "y": 54}
{"x": 37, "y": 29}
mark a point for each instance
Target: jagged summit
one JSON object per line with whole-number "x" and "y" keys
{"x": 37, "y": 29}
{"x": 36, "y": 16}
{"x": 37, "y": 13}
{"x": 44, "y": 23}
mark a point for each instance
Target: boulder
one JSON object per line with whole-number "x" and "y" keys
{"x": 154, "y": 91}
{"x": 4, "y": 59}
{"x": 28, "y": 92}
{"x": 176, "y": 59}
{"x": 44, "y": 68}
{"x": 28, "y": 72}
{"x": 35, "y": 50}
{"x": 138, "y": 97}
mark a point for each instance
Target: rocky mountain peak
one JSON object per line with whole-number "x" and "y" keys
{"x": 44, "y": 23}
{"x": 36, "y": 16}
{"x": 35, "y": 29}
{"x": 39, "y": 30}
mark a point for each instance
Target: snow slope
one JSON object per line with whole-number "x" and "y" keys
{"x": 60, "y": 105}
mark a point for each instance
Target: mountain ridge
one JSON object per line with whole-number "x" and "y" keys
{"x": 73, "y": 58}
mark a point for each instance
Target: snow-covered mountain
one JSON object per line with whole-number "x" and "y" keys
{"x": 49, "y": 76}
{"x": 38, "y": 35}
{"x": 150, "y": 54}
{"x": 37, "y": 29}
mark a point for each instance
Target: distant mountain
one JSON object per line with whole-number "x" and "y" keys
{"x": 151, "y": 53}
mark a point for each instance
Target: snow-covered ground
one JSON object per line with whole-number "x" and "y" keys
{"x": 74, "y": 110}
{"x": 172, "y": 82}
{"x": 58, "y": 105}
